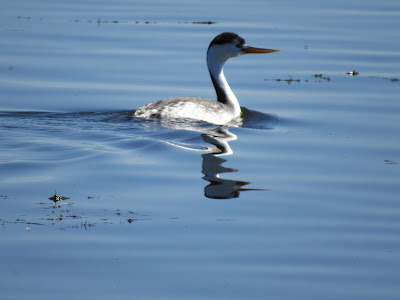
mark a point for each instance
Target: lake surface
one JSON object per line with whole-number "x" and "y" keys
{"x": 300, "y": 201}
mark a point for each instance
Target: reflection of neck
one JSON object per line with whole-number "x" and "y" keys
{"x": 224, "y": 92}
{"x": 219, "y": 188}
{"x": 220, "y": 138}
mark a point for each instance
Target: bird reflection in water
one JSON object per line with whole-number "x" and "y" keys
{"x": 218, "y": 147}
{"x": 220, "y": 188}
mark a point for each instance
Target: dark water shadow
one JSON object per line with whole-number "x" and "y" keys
{"x": 258, "y": 120}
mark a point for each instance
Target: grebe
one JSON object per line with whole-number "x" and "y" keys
{"x": 222, "y": 111}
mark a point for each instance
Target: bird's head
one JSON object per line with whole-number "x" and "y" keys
{"x": 229, "y": 44}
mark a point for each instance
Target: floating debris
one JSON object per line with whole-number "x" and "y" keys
{"x": 288, "y": 80}
{"x": 322, "y": 77}
{"x": 60, "y": 217}
{"x": 56, "y": 198}
{"x": 392, "y": 79}
{"x": 98, "y": 21}
{"x": 66, "y": 215}
{"x": 101, "y": 21}
{"x": 204, "y": 22}
{"x": 352, "y": 73}
{"x": 390, "y": 162}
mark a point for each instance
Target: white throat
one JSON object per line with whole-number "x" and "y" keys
{"x": 215, "y": 61}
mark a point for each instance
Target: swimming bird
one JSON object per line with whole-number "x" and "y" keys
{"x": 222, "y": 111}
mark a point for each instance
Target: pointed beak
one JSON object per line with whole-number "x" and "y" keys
{"x": 248, "y": 49}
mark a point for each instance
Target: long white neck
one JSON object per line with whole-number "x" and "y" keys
{"x": 215, "y": 62}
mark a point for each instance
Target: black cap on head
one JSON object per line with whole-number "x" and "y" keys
{"x": 227, "y": 37}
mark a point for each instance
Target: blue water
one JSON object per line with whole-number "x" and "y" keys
{"x": 298, "y": 202}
